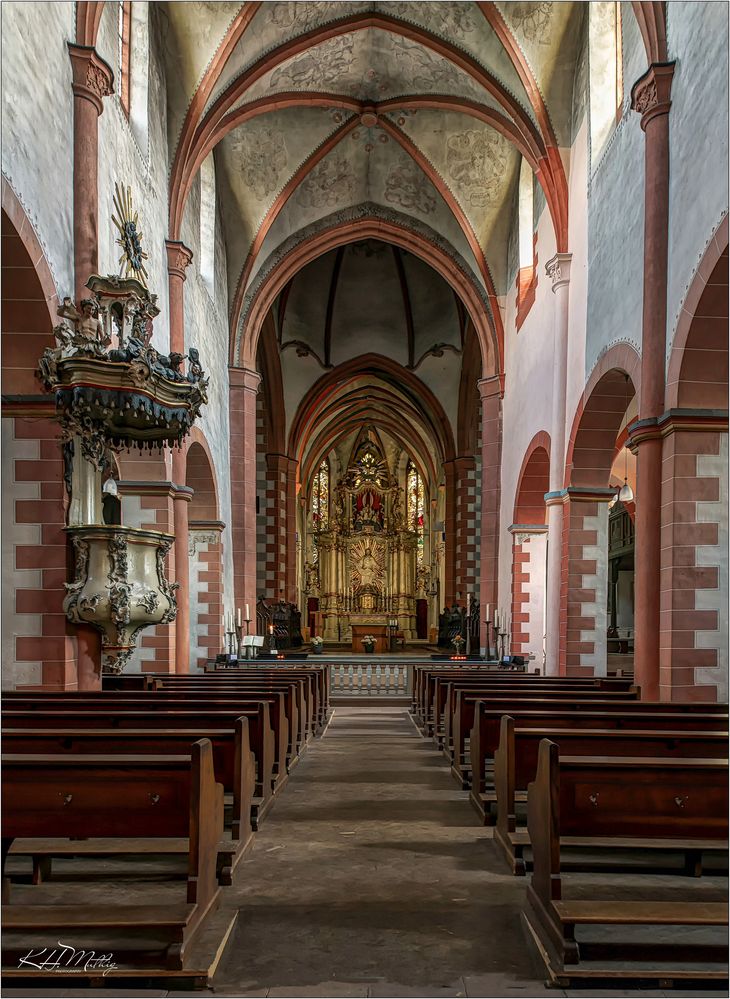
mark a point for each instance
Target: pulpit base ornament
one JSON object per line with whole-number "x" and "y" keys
{"x": 119, "y": 586}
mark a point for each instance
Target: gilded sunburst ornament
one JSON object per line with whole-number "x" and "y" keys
{"x": 130, "y": 238}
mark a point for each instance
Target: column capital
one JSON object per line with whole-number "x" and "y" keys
{"x": 651, "y": 92}
{"x": 523, "y": 532}
{"x": 179, "y": 257}
{"x": 558, "y": 269}
{"x": 489, "y": 387}
{"x": 244, "y": 378}
{"x": 92, "y": 77}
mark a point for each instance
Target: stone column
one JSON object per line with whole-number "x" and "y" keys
{"x": 178, "y": 259}
{"x": 650, "y": 98}
{"x": 465, "y": 546}
{"x": 290, "y": 587}
{"x": 92, "y": 80}
{"x": 490, "y": 392}
{"x": 243, "y": 386}
{"x": 558, "y": 270}
{"x": 450, "y": 525}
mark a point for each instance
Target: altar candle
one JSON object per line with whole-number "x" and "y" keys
{"x": 496, "y": 617}
{"x": 271, "y": 629}
{"x": 488, "y": 607}
{"x": 239, "y": 617}
{"x": 248, "y": 616}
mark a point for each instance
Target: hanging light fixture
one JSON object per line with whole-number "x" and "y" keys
{"x": 626, "y": 493}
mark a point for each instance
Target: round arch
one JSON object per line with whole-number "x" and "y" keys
{"x": 390, "y": 371}
{"x": 251, "y": 315}
{"x": 702, "y": 324}
{"x": 610, "y": 388}
{"x": 200, "y": 476}
{"x": 533, "y": 482}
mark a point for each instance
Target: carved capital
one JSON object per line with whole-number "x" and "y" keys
{"x": 244, "y": 378}
{"x": 558, "y": 269}
{"x": 92, "y": 78}
{"x": 650, "y": 95}
{"x": 178, "y": 258}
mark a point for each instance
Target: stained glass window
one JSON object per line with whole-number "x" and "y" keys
{"x": 321, "y": 497}
{"x": 416, "y": 506}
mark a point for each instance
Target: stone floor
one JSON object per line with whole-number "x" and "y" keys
{"x": 372, "y": 878}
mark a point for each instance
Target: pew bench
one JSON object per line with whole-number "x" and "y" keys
{"x": 515, "y": 766}
{"x": 610, "y": 799}
{"x": 655, "y": 715}
{"x": 233, "y": 763}
{"x": 260, "y": 733}
{"x": 116, "y": 797}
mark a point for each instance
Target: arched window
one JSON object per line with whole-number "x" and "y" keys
{"x": 321, "y": 497}
{"x": 416, "y": 506}
{"x": 526, "y": 239}
{"x": 125, "y": 52}
{"x": 207, "y": 223}
{"x": 605, "y": 72}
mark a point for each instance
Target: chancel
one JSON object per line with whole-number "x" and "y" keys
{"x": 364, "y": 497}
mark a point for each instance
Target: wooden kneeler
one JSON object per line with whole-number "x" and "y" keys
{"x": 120, "y": 797}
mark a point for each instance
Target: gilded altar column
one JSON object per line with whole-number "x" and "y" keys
{"x": 558, "y": 270}
{"x": 178, "y": 260}
{"x": 650, "y": 96}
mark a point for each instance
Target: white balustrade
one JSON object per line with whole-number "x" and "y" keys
{"x": 371, "y": 679}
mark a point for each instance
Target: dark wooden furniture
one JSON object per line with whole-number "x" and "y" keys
{"x": 658, "y": 716}
{"x": 610, "y": 800}
{"x": 233, "y": 762}
{"x": 132, "y": 797}
{"x": 515, "y": 766}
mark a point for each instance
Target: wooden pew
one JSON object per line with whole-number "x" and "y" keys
{"x": 260, "y": 733}
{"x": 233, "y": 762}
{"x": 297, "y": 706}
{"x": 157, "y": 701}
{"x": 515, "y": 766}
{"x": 315, "y": 678}
{"x": 459, "y": 711}
{"x": 484, "y": 736}
{"x": 320, "y": 676}
{"x": 134, "y": 797}
{"x": 608, "y": 800}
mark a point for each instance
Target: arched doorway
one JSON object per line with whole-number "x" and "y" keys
{"x": 605, "y": 409}
{"x": 38, "y": 644}
{"x": 205, "y": 558}
{"x": 694, "y": 577}
{"x": 529, "y": 553}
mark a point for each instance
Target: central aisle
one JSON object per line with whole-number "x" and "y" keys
{"x": 371, "y": 876}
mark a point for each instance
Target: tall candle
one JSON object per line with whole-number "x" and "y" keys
{"x": 239, "y": 617}
{"x": 248, "y": 616}
{"x": 488, "y": 608}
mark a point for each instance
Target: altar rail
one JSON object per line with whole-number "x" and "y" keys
{"x": 371, "y": 679}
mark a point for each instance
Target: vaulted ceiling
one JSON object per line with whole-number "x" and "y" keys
{"x": 414, "y": 112}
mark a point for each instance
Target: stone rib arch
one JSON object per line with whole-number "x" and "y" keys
{"x": 362, "y": 222}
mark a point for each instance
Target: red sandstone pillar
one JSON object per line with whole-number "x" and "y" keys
{"x": 178, "y": 259}
{"x": 490, "y": 392}
{"x": 450, "y": 524}
{"x": 243, "y": 386}
{"x": 650, "y": 97}
{"x": 291, "y": 590}
{"x": 558, "y": 269}
{"x": 92, "y": 80}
